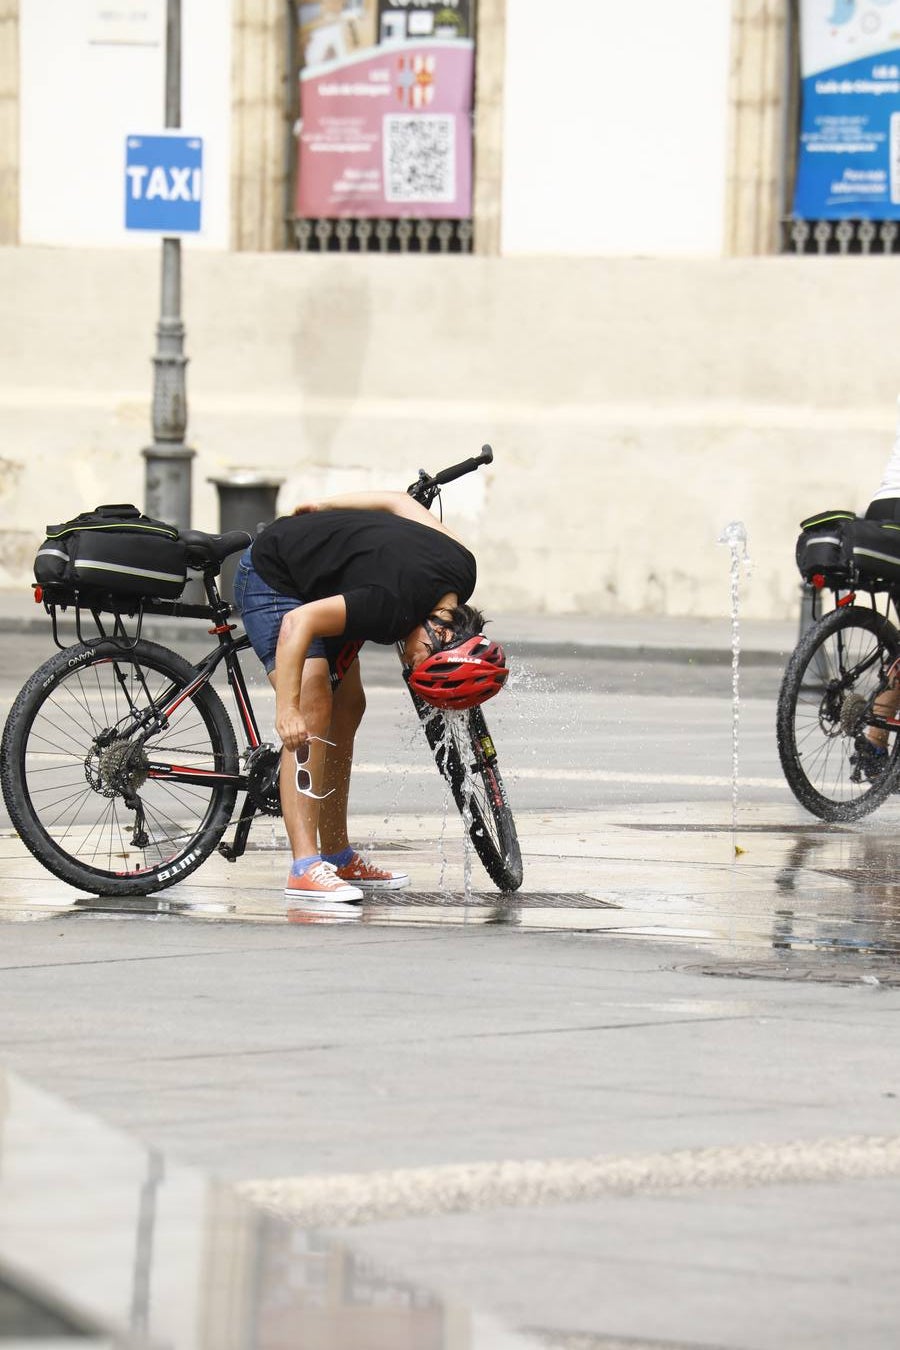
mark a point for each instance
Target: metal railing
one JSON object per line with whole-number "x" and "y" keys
{"x": 348, "y": 235}
{"x": 840, "y": 236}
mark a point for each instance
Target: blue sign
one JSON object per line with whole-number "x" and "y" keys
{"x": 164, "y": 183}
{"x": 848, "y": 162}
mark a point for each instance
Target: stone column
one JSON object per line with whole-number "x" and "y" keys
{"x": 757, "y": 118}
{"x": 260, "y": 124}
{"x": 490, "y": 68}
{"x": 9, "y": 121}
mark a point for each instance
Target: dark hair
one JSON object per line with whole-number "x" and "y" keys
{"x": 465, "y": 621}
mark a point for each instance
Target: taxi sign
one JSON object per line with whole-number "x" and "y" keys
{"x": 164, "y": 183}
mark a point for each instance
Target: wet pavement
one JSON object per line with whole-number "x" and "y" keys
{"x": 777, "y": 895}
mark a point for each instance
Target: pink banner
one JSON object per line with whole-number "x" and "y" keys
{"x": 388, "y": 133}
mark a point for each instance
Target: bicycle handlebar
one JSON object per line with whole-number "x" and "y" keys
{"x": 426, "y": 486}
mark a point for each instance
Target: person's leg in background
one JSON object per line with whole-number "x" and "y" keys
{"x": 348, "y": 706}
{"x": 874, "y": 755}
{"x": 310, "y": 875}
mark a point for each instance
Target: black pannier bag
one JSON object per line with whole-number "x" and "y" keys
{"x": 875, "y": 551}
{"x": 114, "y": 550}
{"x": 823, "y": 548}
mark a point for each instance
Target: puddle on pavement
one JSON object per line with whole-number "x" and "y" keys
{"x": 666, "y": 874}
{"x": 877, "y": 972}
{"x": 99, "y": 1234}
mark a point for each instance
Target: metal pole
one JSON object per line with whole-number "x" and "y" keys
{"x": 290, "y": 150}
{"x": 790, "y": 110}
{"x": 168, "y": 460}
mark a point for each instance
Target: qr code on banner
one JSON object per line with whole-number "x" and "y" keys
{"x": 419, "y": 158}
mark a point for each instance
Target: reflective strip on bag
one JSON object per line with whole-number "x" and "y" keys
{"x": 145, "y": 572}
{"x": 118, "y": 526}
{"x": 891, "y": 558}
{"x": 823, "y": 539}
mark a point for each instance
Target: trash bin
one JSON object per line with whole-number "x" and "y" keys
{"x": 246, "y": 502}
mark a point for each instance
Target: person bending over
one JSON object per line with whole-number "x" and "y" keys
{"x": 312, "y": 588}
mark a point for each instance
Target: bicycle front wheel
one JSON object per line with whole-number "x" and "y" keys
{"x": 106, "y": 761}
{"x": 465, "y": 755}
{"x": 839, "y": 682}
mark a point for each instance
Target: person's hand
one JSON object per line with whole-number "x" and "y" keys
{"x": 291, "y": 728}
{"x": 305, "y": 508}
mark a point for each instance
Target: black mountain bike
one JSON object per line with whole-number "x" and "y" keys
{"x": 842, "y": 680}
{"x": 120, "y": 767}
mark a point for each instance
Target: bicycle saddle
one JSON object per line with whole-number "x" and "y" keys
{"x": 203, "y": 549}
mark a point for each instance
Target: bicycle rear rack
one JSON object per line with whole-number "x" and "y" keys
{"x": 56, "y": 600}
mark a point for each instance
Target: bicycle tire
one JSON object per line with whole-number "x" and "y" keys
{"x": 467, "y": 760}
{"x": 71, "y": 751}
{"x": 825, "y": 703}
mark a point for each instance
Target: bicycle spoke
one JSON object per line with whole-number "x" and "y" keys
{"x": 84, "y": 787}
{"x": 825, "y": 724}
{"x": 456, "y": 740}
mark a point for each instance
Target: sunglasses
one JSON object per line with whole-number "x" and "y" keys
{"x": 440, "y": 632}
{"x": 304, "y": 777}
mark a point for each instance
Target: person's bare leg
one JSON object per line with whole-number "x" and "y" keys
{"x": 885, "y": 705}
{"x": 301, "y": 813}
{"x": 348, "y": 706}
{"x": 347, "y": 711}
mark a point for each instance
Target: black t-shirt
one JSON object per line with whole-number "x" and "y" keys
{"x": 391, "y": 571}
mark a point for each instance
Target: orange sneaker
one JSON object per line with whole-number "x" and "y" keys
{"x": 362, "y": 873}
{"x": 321, "y": 881}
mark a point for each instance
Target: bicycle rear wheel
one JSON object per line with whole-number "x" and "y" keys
{"x": 465, "y": 755}
{"x": 827, "y": 701}
{"x": 85, "y": 754}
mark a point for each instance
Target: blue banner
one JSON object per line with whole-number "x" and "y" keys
{"x": 848, "y": 163}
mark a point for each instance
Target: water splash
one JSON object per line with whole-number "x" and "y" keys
{"x": 734, "y": 536}
{"x": 468, "y": 820}
{"x": 451, "y": 750}
{"x": 442, "y": 838}
{"x": 398, "y": 782}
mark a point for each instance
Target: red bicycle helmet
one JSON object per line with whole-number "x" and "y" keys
{"x": 461, "y": 676}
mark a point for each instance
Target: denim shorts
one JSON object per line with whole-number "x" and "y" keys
{"x": 262, "y": 611}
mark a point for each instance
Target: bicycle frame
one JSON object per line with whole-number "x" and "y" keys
{"x": 227, "y": 651}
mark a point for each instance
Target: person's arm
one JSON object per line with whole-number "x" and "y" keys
{"x": 321, "y": 618}
{"x": 396, "y": 503}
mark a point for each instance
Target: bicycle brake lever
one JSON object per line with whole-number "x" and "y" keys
{"x": 423, "y": 480}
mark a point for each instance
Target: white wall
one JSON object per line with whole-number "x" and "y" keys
{"x": 615, "y": 127}
{"x": 80, "y": 99}
{"x": 635, "y": 406}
